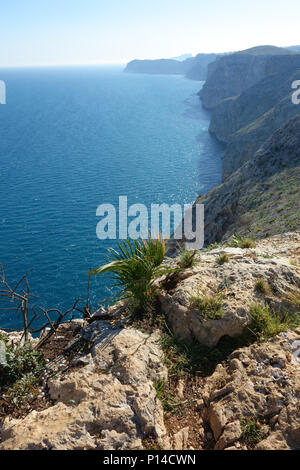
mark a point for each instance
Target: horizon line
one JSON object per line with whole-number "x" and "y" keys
{"x": 122, "y": 62}
{"x": 106, "y": 64}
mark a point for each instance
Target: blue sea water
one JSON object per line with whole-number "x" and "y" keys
{"x": 73, "y": 138}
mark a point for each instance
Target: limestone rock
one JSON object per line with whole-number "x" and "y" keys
{"x": 260, "y": 382}
{"x": 180, "y": 439}
{"x": 236, "y": 279}
{"x": 231, "y": 433}
{"x": 14, "y": 338}
{"x": 110, "y": 403}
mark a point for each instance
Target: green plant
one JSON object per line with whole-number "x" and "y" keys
{"x": 294, "y": 262}
{"x": 19, "y": 378}
{"x": 22, "y": 391}
{"x": 294, "y": 297}
{"x": 21, "y": 361}
{"x": 192, "y": 357}
{"x": 266, "y": 256}
{"x": 262, "y": 286}
{"x": 3, "y": 337}
{"x": 187, "y": 259}
{"x": 210, "y": 305}
{"x": 222, "y": 259}
{"x": 252, "y": 432}
{"x": 213, "y": 246}
{"x": 242, "y": 242}
{"x": 264, "y": 323}
{"x": 135, "y": 267}
{"x": 168, "y": 401}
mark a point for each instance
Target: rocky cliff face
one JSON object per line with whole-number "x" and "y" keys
{"x": 199, "y": 67}
{"x": 244, "y": 122}
{"x": 253, "y": 114}
{"x": 262, "y": 197}
{"x": 230, "y": 75}
{"x": 194, "y": 68}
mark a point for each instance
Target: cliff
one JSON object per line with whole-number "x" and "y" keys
{"x": 245, "y": 122}
{"x": 262, "y": 196}
{"x": 198, "y": 69}
{"x": 194, "y": 68}
{"x": 231, "y": 74}
{"x": 250, "y": 96}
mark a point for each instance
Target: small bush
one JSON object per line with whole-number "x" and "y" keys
{"x": 187, "y": 259}
{"x": 242, "y": 242}
{"x": 209, "y": 305}
{"x": 222, "y": 259}
{"x": 20, "y": 361}
{"x": 3, "y": 337}
{"x": 294, "y": 297}
{"x": 19, "y": 379}
{"x": 262, "y": 286}
{"x": 265, "y": 323}
{"x": 23, "y": 391}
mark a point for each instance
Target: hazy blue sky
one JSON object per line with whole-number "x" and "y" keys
{"x": 42, "y": 32}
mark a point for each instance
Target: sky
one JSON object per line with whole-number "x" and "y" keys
{"x": 65, "y": 32}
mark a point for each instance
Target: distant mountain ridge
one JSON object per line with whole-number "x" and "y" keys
{"x": 159, "y": 66}
{"x": 194, "y": 68}
{"x": 198, "y": 67}
{"x": 267, "y": 50}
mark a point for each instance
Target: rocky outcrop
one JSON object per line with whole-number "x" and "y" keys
{"x": 106, "y": 398}
{"x": 261, "y": 384}
{"x": 110, "y": 403}
{"x": 236, "y": 280}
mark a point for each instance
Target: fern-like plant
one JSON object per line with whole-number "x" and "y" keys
{"x": 134, "y": 267}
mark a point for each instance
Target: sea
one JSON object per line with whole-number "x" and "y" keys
{"x": 73, "y": 138}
